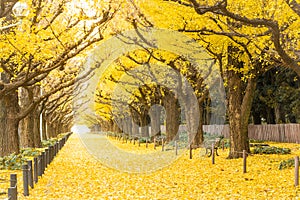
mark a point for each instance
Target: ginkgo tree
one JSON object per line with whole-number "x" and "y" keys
{"x": 260, "y": 39}
{"x": 246, "y": 38}
{"x": 53, "y": 33}
{"x": 153, "y": 77}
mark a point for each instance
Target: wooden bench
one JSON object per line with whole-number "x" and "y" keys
{"x": 208, "y": 146}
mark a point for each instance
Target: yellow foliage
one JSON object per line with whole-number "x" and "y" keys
{"x": 76, "y": 174}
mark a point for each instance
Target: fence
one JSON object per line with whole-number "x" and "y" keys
{"x": 270, "y": 132}
{"x": 33, "y": 170}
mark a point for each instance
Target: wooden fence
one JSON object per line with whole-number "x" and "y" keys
{"x": 270, "y": 132}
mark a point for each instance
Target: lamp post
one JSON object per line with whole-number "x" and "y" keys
{"x": 20, "y": 10}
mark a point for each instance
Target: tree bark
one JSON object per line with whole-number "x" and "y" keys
{"x": 9, "y": 136}
{"x": 155, "y": 113}
{"x": 239, "y": 107}
{"x": 198, "y": 140}
{"x": 144, "y": 125}
{"x": 171, "y": 105}
{"x": 135, "y": 128}
{"x": 30, "y": 125}
{"x": 36, "y": 129}
{"x": 44, "y": 128}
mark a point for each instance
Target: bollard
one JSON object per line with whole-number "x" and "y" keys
{"x": 43, "y": 162}
{"x": 52, "y": 152}
{"x": 30, "y": 174}
{"x": 13, "y": 189}
{"x": 35, "y": 169}
{"x": 162, "y": 144}
{"x": 39, "y": 165}
{"x": 146, "y": 143}
{"x": 176, "y": 148}
{"x": 154, "y": 143}
{"x": 139, "y": 142}
{"x": 244, "y": 161}
{"x": 191, "y": 151}
{"x": 213, "y": 153}
{"x": 13, "y": 180}
{"x": 296, "y": 170}
{"x": 47, "y": 157}
{"x": 59, "y": 145}
{"x": 25, "y": 180}
{"x": 223, "y": 145}
{"x": 12, "y": 193}
{"x": 56, "y": 148}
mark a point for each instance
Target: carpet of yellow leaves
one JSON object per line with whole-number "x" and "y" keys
{"x": 75, "y": 174}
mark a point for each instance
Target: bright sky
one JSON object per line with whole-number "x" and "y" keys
{"x": 80, "y": 129}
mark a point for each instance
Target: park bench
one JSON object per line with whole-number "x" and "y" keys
{"x": 208, "y": 145}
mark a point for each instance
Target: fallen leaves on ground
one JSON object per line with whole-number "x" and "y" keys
{"x": 75, "y": 174}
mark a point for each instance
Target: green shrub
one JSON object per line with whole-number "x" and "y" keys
{"x": 49, "y": 142}
{"x": 270, "y": 150}
{"x": 12, "y": 162}
{"x": 287, "y": 164}
{"x": 256, "y": 141}
{"x": 30, "y": 152}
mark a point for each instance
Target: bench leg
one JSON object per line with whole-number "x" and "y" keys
{"x": 216, "y": 149}
{"x": 208, "y": 152}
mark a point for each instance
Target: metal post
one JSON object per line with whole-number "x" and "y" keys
{"x": 12, "y": 193}
{"x": 13, "y": 180}
{"x": 244, "y": 161}
{"x": 40, "y": 165}
{"x": 296, "y": 170}
{"x": 13, "y": 189}
{"x": 25, "y": 180}
{"x": 43, "y": 162}
{"x": 35, "y": 169}
{"x": 213, "y": 153}
{"x": 47, "y": 157}
{"x": 191, "y": 151}
{"x": 30, "y": 174}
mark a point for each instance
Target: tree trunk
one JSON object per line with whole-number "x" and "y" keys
{"x": 256, "y": 117}
{"x": 9, "y": 136}
{"x": 240, "y": 100}
{"x": 50, "y": 130}
{"x": 135, "y": 128}
{"x": 239, "y": 107}
{"x": 270, "y": 115}
{"x": 30, "y": 125}
{"x": 144, "y": 121}
{"x": 36, "y": 129}
{"x": 116, "y": 128}
{"x": 172, "y": 115}
{"x": 155, "y": 113}
{"x": 279, "y": 114}
{"x": 44, "y": 128}
{"x": 191, "y": 114}
{"x": 128, "y": 125}
{"x": 26, "y": 128}
{"x": 198, "y": 140}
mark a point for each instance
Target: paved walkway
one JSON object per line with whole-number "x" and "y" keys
{"x": 126, "y": 161}
{"x": 76, "y": 174}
